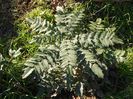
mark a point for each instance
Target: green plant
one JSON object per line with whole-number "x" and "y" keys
{"x": 8, "y": 78}
{"x": 11, "y": 84}
{"x": 40, "y": 12}
{"x": 108, "y": 11}
{"x": 125, "y": 79}
{"x": 129, "y": 60}
{"x": 23, "y": 30}
{"x": 70, "y": 54}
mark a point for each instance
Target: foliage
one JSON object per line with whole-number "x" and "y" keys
{"x": 65, "y": 50}
{"x": 11, "y": 84}
{"x": 7, "y": 67}
{"x": 125, "y": 79}
{"x": 108, "y": 11}
{"x": 42, "y": 12}
{"x": 78, "y": 55}
{"x": 23, "y": 30}
{"x": 129, "y": 60}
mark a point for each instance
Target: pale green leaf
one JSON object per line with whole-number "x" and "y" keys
{"x": 97, "y": 70}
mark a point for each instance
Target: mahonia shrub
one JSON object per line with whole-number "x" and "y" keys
{"x": 71, "y": 56}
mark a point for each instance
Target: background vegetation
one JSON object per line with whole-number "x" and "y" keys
{"x": 15, "y": 49}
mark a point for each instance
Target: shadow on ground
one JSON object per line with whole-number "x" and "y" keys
{"x": 6, "y": 19}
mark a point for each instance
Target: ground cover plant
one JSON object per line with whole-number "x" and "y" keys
{"x": 64, "y": 52}
{"x": 83, "y": 49}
